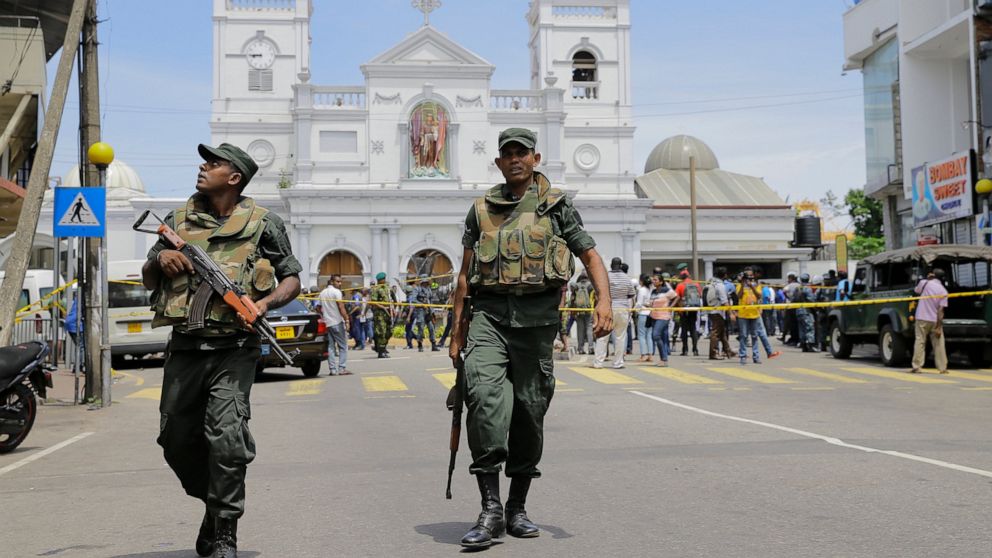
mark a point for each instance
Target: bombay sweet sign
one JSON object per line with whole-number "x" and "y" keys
{"x": 942, "y": 190}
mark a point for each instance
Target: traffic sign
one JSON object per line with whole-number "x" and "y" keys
{"x": 80, "y": 212}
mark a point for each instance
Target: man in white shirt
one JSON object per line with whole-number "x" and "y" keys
{"x": 621, "y": 294}
{"x": 337, "y": 321}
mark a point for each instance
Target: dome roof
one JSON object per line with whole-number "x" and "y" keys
{"x": 674, "y": 153}
{"x": 119, "y": 175}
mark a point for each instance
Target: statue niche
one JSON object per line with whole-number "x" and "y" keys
{"x": 428, "y": 141}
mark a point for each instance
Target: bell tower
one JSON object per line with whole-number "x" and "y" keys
{"x": 583, "y": 48}
{"x": 261, "y": 51}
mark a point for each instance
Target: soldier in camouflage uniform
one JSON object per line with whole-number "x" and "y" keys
{"x": 382, "y": 322}
{"x": 210, "y": 367}
{"x": 807, "y": 327}
{"x": 519, "y": 240}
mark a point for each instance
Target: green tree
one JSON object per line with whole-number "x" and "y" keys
{"x": 865, "y": 212}
{"x": 863, "y": 246}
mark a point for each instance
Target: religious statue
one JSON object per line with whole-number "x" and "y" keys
{"x": 428, "y": 145}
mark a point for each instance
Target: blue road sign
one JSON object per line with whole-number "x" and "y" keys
{"x": 80, "y": 212}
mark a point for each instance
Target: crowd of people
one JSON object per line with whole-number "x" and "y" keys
{"x": 654, "y": 309}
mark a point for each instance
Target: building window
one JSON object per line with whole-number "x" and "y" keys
{"x": 584, "y": 78}
{"x": 259, "y": 80}
{"x": 881, "y": 71}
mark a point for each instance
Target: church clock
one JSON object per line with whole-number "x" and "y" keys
{"x": 261, "y": 54}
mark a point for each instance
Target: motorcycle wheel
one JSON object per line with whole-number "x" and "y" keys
{"x": 17, "y": 403}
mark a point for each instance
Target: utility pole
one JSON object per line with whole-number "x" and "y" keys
{"x": 20, "y": 255}
{"x": 692, "y": 217}
{"x": 97, "y": 372}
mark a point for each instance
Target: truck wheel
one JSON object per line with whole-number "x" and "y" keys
{"x": 840, "y": 344}
{"x": 976, "y": 355}
{"x": 892, "y": 347}
{"x": 311, "y": 368}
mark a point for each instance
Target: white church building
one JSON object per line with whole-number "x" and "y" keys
{"x": 379, "y": 176}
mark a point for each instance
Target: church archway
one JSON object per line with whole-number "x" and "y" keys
{"x": 343, "y": 263}
{"x": 435, "y": 264}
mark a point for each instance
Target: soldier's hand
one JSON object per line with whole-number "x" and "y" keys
{"x": 174, "y": 263}
{"x": 455, "y": 351}
{"x": 602, "y": 317}
{"x": 262, "y": 306}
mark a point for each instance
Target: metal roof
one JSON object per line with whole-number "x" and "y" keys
{"x": 713, "y": 188}
{"x": 931, "y": 252}
{"x": 53, "y": 14}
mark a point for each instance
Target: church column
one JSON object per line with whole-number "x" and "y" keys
{"x": 554, "y": 114}
{"x": 376, "y": 249}
{"x": 393, "y": 251}
{"x": 303, "y": 253}
{"x": 707, "y": 268}
{"x": 304, "y": 124}
{"x": 628, "y": 251}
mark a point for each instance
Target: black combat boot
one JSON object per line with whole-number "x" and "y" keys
{"x": 490, "y": 524}
{"x": 434, "y": 348}
{"x": 517, "y": 522}
{"x": 205, "y": 538}
{"x": 226, "y": 543}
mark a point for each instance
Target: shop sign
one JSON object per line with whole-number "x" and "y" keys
{"x": 942, "y": 190}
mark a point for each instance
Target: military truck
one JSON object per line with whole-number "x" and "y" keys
{"x": 967, "y": 320}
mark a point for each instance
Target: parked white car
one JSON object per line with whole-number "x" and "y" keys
{"x": 129, "y": 314}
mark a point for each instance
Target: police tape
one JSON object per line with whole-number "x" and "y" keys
{"x": 731, "y": 307}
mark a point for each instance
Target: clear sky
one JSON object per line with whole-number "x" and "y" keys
{"x": 759, "y": 81}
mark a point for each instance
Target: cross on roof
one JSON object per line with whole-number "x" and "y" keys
{"x": 426, "y": 6}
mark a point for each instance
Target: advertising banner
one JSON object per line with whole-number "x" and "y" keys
{"x": 942, "y": 190}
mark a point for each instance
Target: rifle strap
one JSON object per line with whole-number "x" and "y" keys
{"x": 198, "y": 309}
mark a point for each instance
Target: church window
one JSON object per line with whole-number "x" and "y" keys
{"x": 259, "y": 80}
{"x": 584, "y": 84}
{"x": 429, "y": 149}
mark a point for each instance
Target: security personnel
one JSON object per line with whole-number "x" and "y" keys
{"x": 382, "y": 323}
{"x": 420, "y": 316}
{"x": 518, "y": 245}
{"x": 807, "y": 325}
{"x": 210, "y": 367}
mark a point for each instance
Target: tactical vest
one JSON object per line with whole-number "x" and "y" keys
{"x": 234, "y": 247}
{"x": 518, "y": 251}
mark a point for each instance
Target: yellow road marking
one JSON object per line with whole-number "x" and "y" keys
{"x": 384, "y": 383}
{"x": 138, "y": 380}
{"x": 678, "y": 375}
{"x": 970, "y": 376}
{"x": 447, "y": 379}
{"x": 827, "y": 376}
{"x": 752, "y": 376}
{"x": 154, "y": 393}
{"x": 604, "y": 375}
{"x": 901, "y": 376}
{"x": 304, "y": 387}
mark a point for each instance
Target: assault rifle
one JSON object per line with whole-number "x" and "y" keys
{"x": 215, "y": 281}
{"x": 456, "y": 394}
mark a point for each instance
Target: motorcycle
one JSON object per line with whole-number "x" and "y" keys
{"x": 22, "y": 375}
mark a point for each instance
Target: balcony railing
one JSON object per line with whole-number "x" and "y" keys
{"x": 582, "y": 90}
{"x": 339, "y": 98}
{"x": 584, "y": 12}
{"x": 261, "y": 4}
{"x": 510, "y": 100}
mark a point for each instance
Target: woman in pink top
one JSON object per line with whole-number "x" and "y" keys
{"x": 663, "y": 298}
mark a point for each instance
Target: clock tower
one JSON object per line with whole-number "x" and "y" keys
{"x": 261, "y": 50}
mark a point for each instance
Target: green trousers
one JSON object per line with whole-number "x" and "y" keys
{"x": 382, "y": 329}
{"x": 204, "y": 424}
{"x": 509, "y": 382}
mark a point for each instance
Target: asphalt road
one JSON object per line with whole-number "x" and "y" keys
{"x": 800, "y": 456}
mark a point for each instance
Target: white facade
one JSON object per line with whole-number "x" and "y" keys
{"x": 934, "y": 98}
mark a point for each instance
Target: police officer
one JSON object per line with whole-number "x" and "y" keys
{"x": 419, "y": 316}
{"x": 209, "y": 370}
{"x": 807, "y": 326}
{"x": 519, "y": 240}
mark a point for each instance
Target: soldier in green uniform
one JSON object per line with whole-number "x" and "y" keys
{"x": 382, "y": 322}
{"x": 518, "y": 245}
{"x": 210, "y": 367}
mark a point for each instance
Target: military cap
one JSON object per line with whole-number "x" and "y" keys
{"x": 681, "y": 266}
{"x": 232, "y": 154}
{"x": 380, "y": 276}
{"x": 523, "y": 136}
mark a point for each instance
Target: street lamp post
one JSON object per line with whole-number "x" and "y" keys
{"x": 101, "y": 155}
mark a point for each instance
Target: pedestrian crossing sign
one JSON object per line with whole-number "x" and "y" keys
{"x": 80, "y": 212}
